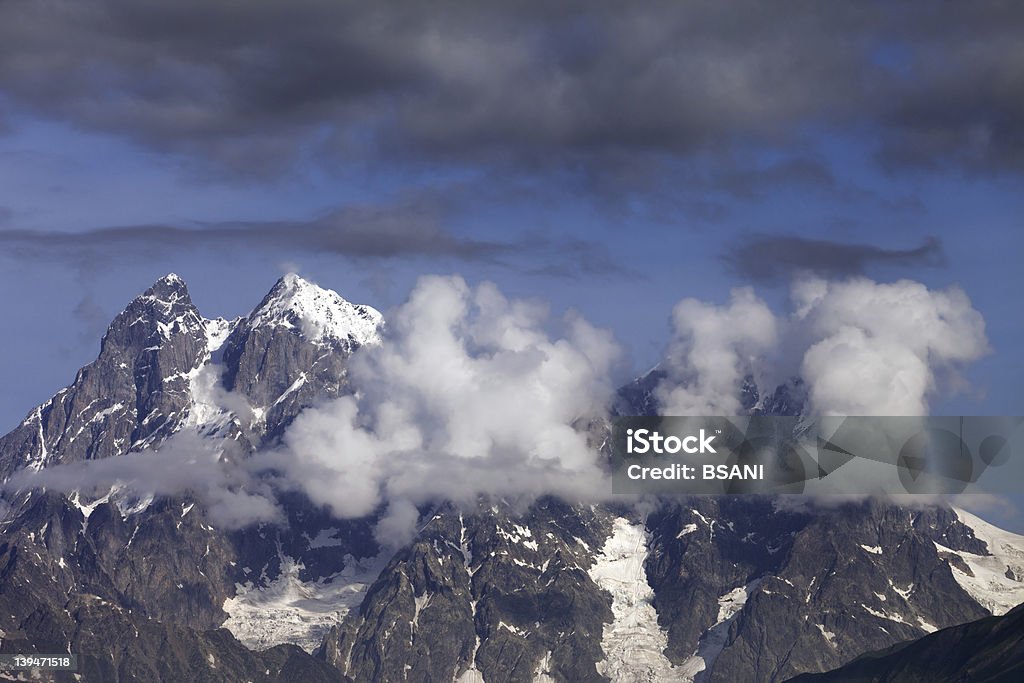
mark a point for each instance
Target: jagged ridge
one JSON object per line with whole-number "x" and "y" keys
{"x": 734, "y": 588}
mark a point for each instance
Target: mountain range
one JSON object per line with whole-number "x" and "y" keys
{"x": 154, "y": 586}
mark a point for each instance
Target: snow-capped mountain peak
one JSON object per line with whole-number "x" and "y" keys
{"x": 169, "y": 289}
{"x": 171, "y": 279}
{"x": 161, "y": 313}
{"x": 318, "y": 314}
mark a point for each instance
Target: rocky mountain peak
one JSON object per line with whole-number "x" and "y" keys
{"x": 293, "y": 349}
{"x": 136, "y": 392}
{"x": 165, "y": 298}
{"x": 170, "y": 286}
{"x": 163, "y": 311}
{"x": 317, "y": 314}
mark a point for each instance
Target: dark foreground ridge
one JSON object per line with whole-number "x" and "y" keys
{"x": 990, "y": 650}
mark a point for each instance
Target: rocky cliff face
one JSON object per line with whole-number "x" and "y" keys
{"x": 133, "y": 395}
{"x": 706, "y": 589}
{"x": 488, "y": 592}
{"x": 72, "y": 565}
{"x": 292, "y": 350}
{"x": 736, "y": 589}
{"x": 817, "y": 586}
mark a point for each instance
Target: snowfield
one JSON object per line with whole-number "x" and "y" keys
{"x": 634, "y": 643}
{"x": 998, "y": 578}
{"x": 288, "y": 610}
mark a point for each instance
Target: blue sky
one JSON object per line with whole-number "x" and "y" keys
{"x": 62, "y": 302}
{"x": 607, "y": 159}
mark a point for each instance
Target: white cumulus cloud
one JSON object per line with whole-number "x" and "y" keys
{"x": 468, "y": 395}
{"x": 712, "y": 349}
{"x": 877, "y": 348}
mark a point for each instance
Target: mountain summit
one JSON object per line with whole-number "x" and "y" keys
{"x": 293, "y": 348}
{"x": 163, "y": 366}
{"x": 320, "y": 315}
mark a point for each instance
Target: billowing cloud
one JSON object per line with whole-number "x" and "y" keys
{"x": 712, "y": 349}
{"x": 184, "y": 464}
{"x": 474, "y": 394}
{"x": 860, "y": 347}
{"x": 468, "y": 395}
{"x": 879, "y": 346}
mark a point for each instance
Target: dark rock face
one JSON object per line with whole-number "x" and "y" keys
{"x": 702, "y": 552}
{"x": 114, "y": 644}
{"x": 818, "y": 584}
{"x": 261, "y": 548}
{"x": 823, "y": 585}
{"x": 71, "y": 581}
{"x": 263, "y": 364}
{"x": 507, "y": 594}
{"x": 53, "y": 548}
{"x": 107, "y": 588}
{"x": 637, "y": 397}
{"x": 134, "y": 394}
{"x": 983, "y": 651}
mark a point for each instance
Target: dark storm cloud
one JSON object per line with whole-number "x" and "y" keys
{"x": 254, "y": 86}
{"x": 403, "y": 230}
{"x": 357, "y": 232}
{"x": 774, "y": 259}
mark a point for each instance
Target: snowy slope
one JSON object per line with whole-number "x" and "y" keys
{"x": 289, "y": 610}
{"x": 206, "y": 413}
{"x": 319, "y": 314}
{"x": 996, "y": 580}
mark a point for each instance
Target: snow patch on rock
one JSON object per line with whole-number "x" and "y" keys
{"x": 289, "y": 610}
{"x": 713, "y": 641}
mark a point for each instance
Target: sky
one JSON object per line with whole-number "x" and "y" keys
{"x": 607, "y": 158}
